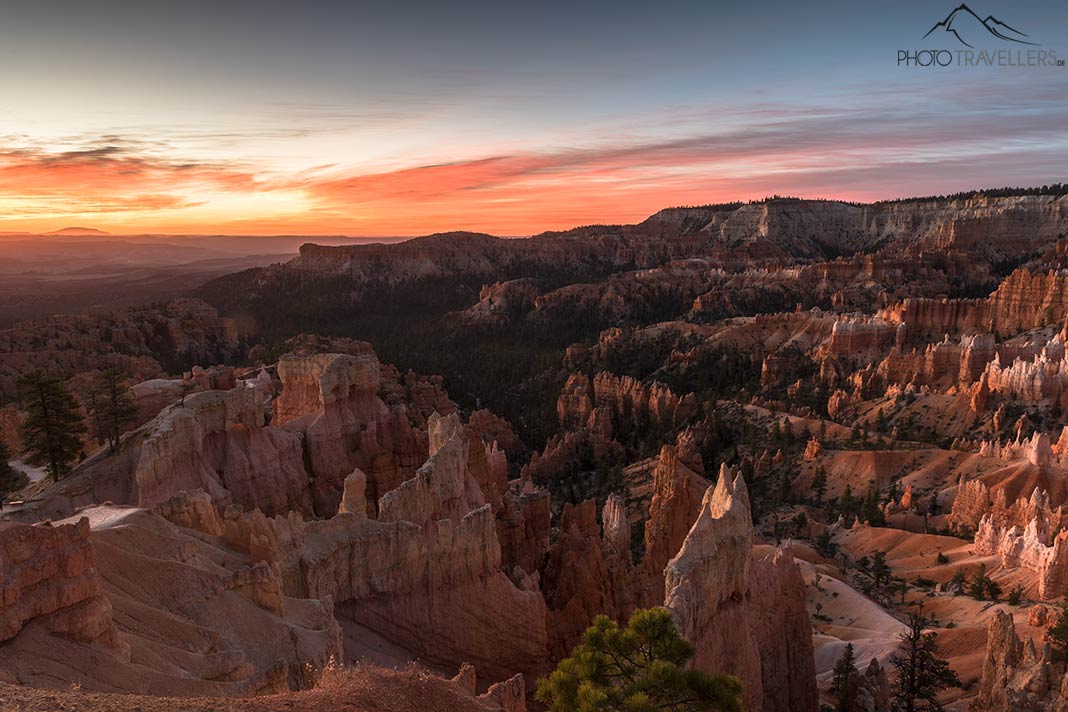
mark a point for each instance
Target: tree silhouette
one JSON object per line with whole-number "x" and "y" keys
{"x": 845, "y": 681}
{"x": 921, "y": 673}
{"x": 53, "y": 427}
{"x": 111, "y": 406}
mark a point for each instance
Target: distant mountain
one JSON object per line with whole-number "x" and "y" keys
{"x": 67, "y": 231}
{"x": 964, "y": 24}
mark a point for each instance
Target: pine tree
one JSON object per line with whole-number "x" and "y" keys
{"x": 870, "y": 510}
{"x": 880, "y": 572}
{"x": 1057, "y": 633}
{"x": 959, "y": 580}
{"x": 846, "y": 504}
{"x": 845, "y": 680}
{"x": 921, "y": 673}
{"x": 980, "y": 584}
{"x": 819, "y": 485}
{"x": 825, "y": 543}
{"x": 640, "y": 667}
{"x": 111, "y": 406}
{"x": 53, "y": 427}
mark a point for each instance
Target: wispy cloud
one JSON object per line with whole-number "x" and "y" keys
{"x": 867, "y": 148}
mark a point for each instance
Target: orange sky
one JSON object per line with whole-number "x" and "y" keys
{"x": 410, "y": 117}
{"x": 124, "y": 186}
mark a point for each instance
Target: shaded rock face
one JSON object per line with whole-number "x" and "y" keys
{"x": 576, "y": 583}
{"x": 217, "y": 442}
{"x": 426, "y": 575}
{"x": 48, "y": 578}
{"x": 524, "y": 525}
{"x": 677, "y": 501}
{"x": 745, "y": 615}
{"x": 333, "y": 400}
{"x": 1016, "y": 676}
{"x": 196, "y": 616}
{"x": 588, "y": 572}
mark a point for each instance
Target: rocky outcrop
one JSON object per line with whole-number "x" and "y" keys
{"x": 1024, "y": 300}
{"x": 501, "y": 302}
{"x": 192, "y": 510}
{"x": 426, "y": 575}
{"x": 1017, "y": 676}
{"x": 216, "y": 441}
{"x": 974, "y": 501}
{"x": 655, "y": 402}
{"x": 746, "y": 616}
{"x": 577, "y": 583}
{"x": 675, "y": 504}
{"x": 524, "y": 526}
{"x": 332, "y": 399}
{"x": 1028, "y": 549}
{"x": 856, "y": 337}
{"x": 48, "y": 578}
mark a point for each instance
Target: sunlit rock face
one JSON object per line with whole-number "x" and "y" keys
{"x": 745, "y": 613}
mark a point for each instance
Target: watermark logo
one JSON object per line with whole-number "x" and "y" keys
{"x": 989, "y": 42}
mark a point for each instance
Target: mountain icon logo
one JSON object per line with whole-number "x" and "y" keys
{"x": 964, "y": 24}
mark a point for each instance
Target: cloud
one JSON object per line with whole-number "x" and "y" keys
{"x": 848, "y": 146}
{"x": 111, "y": 176}
{"x": 820, "y": 152}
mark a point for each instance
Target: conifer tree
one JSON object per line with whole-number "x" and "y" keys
{"x": 111, "y": 406}
{"x": 845, "y": 680}
{"x": 53, "y": 427}
{"x": 819, "y": 485}
{"x": 921, "y": 673}
{"x": 639, "y": 668}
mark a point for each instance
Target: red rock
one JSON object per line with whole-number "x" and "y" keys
{"x": 676, "y": 502}
{"x": 746, "y": 616}
{"x": 576, "y": 582}
{"x": 1016, "y": 676}
{"x": 48, "y": 577}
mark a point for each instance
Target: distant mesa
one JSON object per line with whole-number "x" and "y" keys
{"x": 75, "y": 231}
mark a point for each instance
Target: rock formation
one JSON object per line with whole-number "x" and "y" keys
{"x": 427, "y": 575}
{"x": 676, "y": 503}
{"x": 216, "y": 441}
{"x": 1028, "y": 549}
{"x": 1017, "y": 676}
{"x": 745, "y": 615}
{"x": 48, "y": 578}
{"x": 333, "y": 400}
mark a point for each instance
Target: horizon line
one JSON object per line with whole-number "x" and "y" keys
{"x": 974, "y": 192}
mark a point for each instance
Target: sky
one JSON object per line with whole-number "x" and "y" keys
{"x": 407, "y": 118}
